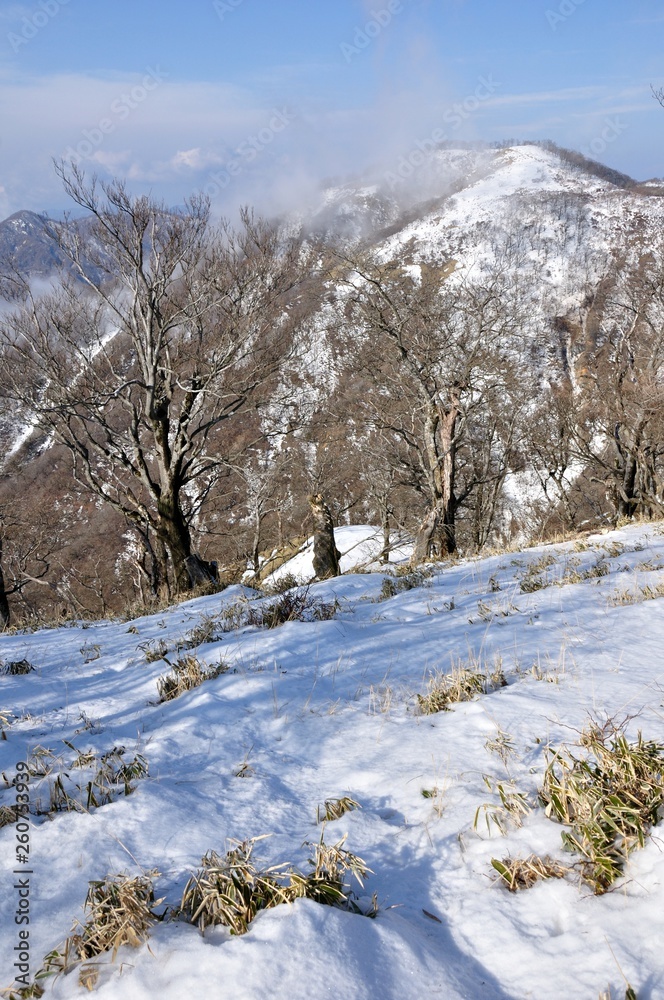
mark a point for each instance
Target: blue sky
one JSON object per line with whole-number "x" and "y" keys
{"x": 259, "y": 101}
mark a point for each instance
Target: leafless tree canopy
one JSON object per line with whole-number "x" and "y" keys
{"x": 187, "y": 386}
{"x": 168, "y": 330}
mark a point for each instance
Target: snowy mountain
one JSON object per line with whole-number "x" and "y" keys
{"x": 556, "y": 215}
{"x": 452, "y": 202}
{"x": 560, "y": 230}
{"x": 568, "y": 642}
{"x": 25, "y": 244}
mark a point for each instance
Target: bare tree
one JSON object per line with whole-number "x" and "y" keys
{"x": 5, "y": 616}
{"x": 439, "y": 348}
{"x": 25, "y": 560}
{"x": 621, "y": 397}
{"x": 550, "y": 444}
{"x": 138, "y": 366}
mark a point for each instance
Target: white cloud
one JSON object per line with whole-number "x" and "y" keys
{"x": 546, "y": 96}
{"x": 195, "y": 159}
{"x": 171, "y": 137}
{"x": 145, "y": 125}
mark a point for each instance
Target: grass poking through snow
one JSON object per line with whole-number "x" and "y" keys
{"x": 232, "y": 890}
{"x": 609, "y": 799}
{"x": 463, "y": 683}
{"x": 522, "y": 873}
{"x": 186, "y": 674}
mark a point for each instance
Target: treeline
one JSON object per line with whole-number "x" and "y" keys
{"x": 187, "y": 386}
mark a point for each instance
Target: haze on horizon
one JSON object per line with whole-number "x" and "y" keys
{"x": 256, "y": 102}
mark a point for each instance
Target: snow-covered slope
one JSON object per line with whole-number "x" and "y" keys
{"x": 320, "y": 709}
{"x": 360, "y": 546}
{"x": 526, "y": 208}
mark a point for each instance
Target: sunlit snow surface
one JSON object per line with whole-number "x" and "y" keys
{"x": 308, "y": 708}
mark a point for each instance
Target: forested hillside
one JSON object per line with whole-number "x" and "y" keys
{"x": 467, "y": 364}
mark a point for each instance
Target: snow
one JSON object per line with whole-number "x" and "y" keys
{"x": 324, "y": 709}
{"x": 360, "y": 547}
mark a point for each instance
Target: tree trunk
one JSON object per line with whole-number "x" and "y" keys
{"x": 256, "y": 544}
{"x": 5, "y": 616}
{"x": 385, "y": 552}
{"x": 153, "y": 566}
{"x": 326, "y": 553}
{"x": 173, "y": 536}
{"x": 628, "y": 501}
{"x": 436, "y": 537}
{"x": 160, "y": 585}
{"x": 201, "y": 572}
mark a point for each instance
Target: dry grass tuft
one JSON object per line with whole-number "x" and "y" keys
{"x": 381, "y": 699}
{"x": 154, "y": 649}
{"x": 326, "y": 881}
{"x": 6, "y": 720}
{"x": 23, "y": 992}
{"x": 120, "y": 911}
{"x": 512, "y": 809}
{"x": 334, "y": 809}
{"x": 596, "y": 572}
{"x": 291, "y": 606}
{"x": 279, "y": 586}
{"x": 8, "y": 816}
{"x": 630, "y": 992}
{"x": 186, "y": 674}
{"x": 463, "y": 683}
{"x": 17, "y": 668}
{"x": 522, "y": 873}
{"x": 404, "y": 579}
{"x": 609, "y": 799}
{"x": 231, "y": 890}
{"x": 651, "y": 592}
{"x": 209, "y": 629}
{"x": 533, "y": 579}
{"x": 108, "y": 775}
{"x": 502, "y": 745}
